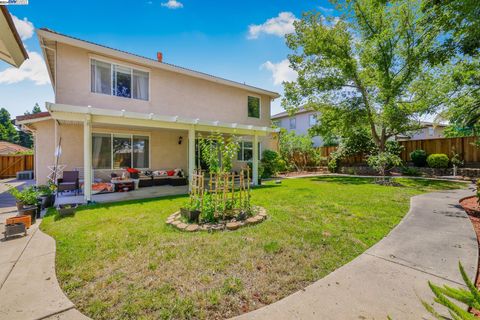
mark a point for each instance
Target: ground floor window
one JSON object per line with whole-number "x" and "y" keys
{"x": 117, "y": 151}
{"x": 245, "y": 152}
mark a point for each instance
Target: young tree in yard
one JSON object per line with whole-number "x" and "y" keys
{"x": 368, "y": 69}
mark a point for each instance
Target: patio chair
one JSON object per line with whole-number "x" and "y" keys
{"x": 69, "y": 182}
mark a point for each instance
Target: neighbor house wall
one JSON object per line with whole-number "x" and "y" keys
{"x": 171, "y": 93}
{"x": 425, "y": 133}
{"x": 302, "y": 126}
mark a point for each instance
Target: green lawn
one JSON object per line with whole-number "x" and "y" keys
{"x": 121, "y": 261}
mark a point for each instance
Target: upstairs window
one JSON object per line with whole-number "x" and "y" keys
{"x": 122, "y": 81}
{"x": 117, "y": 80}
{"x": 293, "y": 123}
{"x": 312, "y": 120}
{"x": 101, "y": 77}
{"x": 253, "y": 107}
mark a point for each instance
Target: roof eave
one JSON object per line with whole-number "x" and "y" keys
{"x": 46, "y": 34}
{"x": 16, "y": 50}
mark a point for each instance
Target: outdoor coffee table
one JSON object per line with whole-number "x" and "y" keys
{"x": 123, "y": 185}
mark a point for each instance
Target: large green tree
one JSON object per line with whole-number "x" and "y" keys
{"x": 459, "y": 44}
{"x": 24, "y": 138}
{"x": 7, "y": 129}
{"x": 368, "y": 69}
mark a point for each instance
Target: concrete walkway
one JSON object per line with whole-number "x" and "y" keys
{"x": 387, "y": 279}
{"x": 390, "y": 278}
{"x": 28, "y": 285}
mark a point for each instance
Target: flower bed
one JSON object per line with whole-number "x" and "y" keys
{"x": 176, "y": 220}
{"x": 471, "y": 206}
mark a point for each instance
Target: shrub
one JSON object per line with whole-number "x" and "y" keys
{"x": 419, "y": 157}
{"x": 271, "y": 163}
{"x": 333, "y": 165}
{"x": 383, "y": 161}
{"x": 438, "y": 160}
{"x": 410, "y": 171}
{"x": 394, "y": 147}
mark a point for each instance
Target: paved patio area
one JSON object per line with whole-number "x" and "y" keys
{"x": 141, "y": 193}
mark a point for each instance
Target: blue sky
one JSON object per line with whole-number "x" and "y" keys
{"x": 237, "y": 40}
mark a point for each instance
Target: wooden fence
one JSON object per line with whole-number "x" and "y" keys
{"x": 11, "y": 164}
{"x": 464, "y": 146}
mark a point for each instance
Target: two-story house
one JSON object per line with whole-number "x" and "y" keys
{"x": 115, "y": 109}
{"x": 300, "y": 122}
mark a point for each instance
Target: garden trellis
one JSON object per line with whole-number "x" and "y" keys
{"x": 227, "y": 192}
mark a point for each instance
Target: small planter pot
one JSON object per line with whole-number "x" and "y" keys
{"x": 30, "y": 211}
{"x": 242, "y": 216}
{"x": 66, "y": 209}
{"x": 47, "y": 201}
{"x": 190, "y": 215}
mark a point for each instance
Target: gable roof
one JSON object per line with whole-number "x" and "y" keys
{"x": 9, "y": 148}
{"x": 47, "y": 37}
{"x": 12, "y": 50}
{"x": 285, "y": 114}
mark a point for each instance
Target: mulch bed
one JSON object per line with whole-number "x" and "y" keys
{"x": 471, "y": 206}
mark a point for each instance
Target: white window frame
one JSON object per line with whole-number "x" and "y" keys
{"x": 242, "y": 153}
{"x": 290, "y": 123}
{"x": 431, "y": 131}
{"x": 259, "y": 106}
{"x": 310, "y": 118}
{"x": 131, "y": 139}
{"x": 121, "y": 64}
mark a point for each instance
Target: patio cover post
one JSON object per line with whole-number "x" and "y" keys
{"x": 191, "y": 156}
{"x": 87, "y": 158}
{"x": 255, "y": 160}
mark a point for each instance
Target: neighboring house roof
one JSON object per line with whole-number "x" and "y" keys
{"x": 33, "y": 116}
{"x": 432, "y": 124}
{"x": 12, "y": 50}
{"x": 285, "y": 114}
{"x": 48, "y": 37}
{"x": 9, "y": 148}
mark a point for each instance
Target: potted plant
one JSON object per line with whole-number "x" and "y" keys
{"x": 18, "y": 197}
{"x": 27, "y": 201}
{"x": 47, "y": 195}
{"x": 191, "y": 211}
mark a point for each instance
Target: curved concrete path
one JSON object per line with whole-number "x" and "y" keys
{"x": 390, "y": 278}
{"x": 387, "y": 279}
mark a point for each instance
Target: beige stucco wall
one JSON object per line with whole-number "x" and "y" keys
{"x": 44, "y": 149}
{"x": 170, "y": 93}
{"x": 165, "y": 152}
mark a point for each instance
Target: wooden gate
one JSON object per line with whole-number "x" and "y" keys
{"x": 11, "y": 164}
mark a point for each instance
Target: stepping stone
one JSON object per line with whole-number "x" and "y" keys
{"x": 192, "y": 228}
{"x": 182, "y": 226}
{"x": 233, "y": 225}
{"x": 176, "y": 223}
{"x": 251, "y": 220}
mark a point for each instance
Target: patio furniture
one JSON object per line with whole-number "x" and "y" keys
{"x": 14, "y": 229}
{"x": 123, "y": 185}
{"x": 69, "y": 182}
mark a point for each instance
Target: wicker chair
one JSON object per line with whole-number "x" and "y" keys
{"x": 69, "y": 182}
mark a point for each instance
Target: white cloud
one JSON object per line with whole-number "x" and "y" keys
{"x": 324, "y": 9}
{"x": 172, "y": 4}
{"x": 24, "y": 27}
{"x": 33, "y": 69}
{"x": 279, "y": 26}
{"x": 281, "y": 71}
